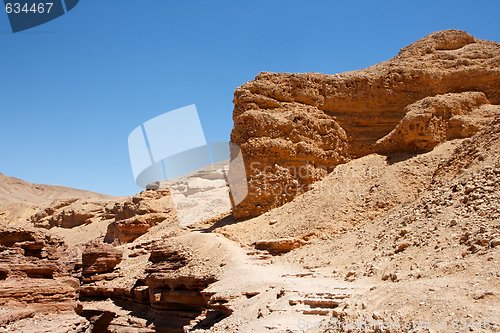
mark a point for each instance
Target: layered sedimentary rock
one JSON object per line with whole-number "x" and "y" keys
{"x": 135, "y": 216}
{"x": 127, "y": 218}
{"x": 295, "y": 128}
{"x": 98, "y": 258}
{"x": 390, "y": 220}
{"x": 166, "y": 296}
{"x": 35, "y": 271}
{"x": 69, "y": 213}
{"x": 20, "y": 199}
{"x": 172, "y": 288}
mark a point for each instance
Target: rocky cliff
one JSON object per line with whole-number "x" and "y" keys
{"x": 36, "y": 274}
{"x": 295, "y": 128}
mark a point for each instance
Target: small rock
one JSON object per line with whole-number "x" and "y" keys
{"x": 153, "y": 186}
{"x": 469, "y": 188}
{"x": 495, "y": 242}
{"x": 350, "y": 276}
{"x": 401, "y": 247}
{"x": 391, "y": 277}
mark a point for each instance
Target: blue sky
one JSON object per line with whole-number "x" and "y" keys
{"x": 73, "y": 89}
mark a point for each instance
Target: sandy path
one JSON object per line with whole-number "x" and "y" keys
{"x": 271, "y": 296}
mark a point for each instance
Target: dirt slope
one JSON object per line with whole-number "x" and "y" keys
{"x": 20, "y": 199}
{"x": 14, "y": 190}
{"x": 423, "y": 231}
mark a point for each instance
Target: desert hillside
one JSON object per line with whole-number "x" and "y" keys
{"x": 14, "y": 190}
{"x": 19, "y": 199}
{"x": 373, "y": 206}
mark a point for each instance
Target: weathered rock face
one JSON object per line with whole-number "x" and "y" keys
{"x": 201, "y": 195}
{"x": 434, "y": 120}
{"x": 169, "y": 290}
{"x": 127, "y": 230}
{"x": 98, "y": 258}
{"x": 69, "y": 213}
{"x": 166, "y": 296}
{"x": 126, "y": 218}
{"x": 35, "y": 272}
{"x": 294, "y": 128}
{"x": 135, "y": 216}
{"x": 39, "y": 275}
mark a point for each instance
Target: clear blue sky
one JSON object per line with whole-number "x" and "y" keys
{"x": 72, "y": 90}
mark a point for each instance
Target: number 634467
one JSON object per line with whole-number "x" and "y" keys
{"x": 35, "y": 8}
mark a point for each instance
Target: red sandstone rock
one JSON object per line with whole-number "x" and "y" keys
{"x": 98, "y": 258}
{"x": 135, "y": 216}
{"x": 35, "y": 270}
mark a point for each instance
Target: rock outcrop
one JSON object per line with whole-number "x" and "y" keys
{"x": 19, "y": 200}
{"x": 99, "y": 258}
{"x": 278, "y": 246}
{"x": 174, "y": 289}
{"x": 434, "y": 120}
{"x": 166, "y": 296}
{"x": 135, "y": 216}
{"x": 295, "y": 128}
{"x": 35, "y": 271}
{"x": 69, "y": 213}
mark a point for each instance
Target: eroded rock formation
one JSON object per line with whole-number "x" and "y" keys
{"x": 99, "y": 258}
{"x": 166, "y": 296}
{"x": 35, "y": 272}
{"x": 295, "y": 128}
{"x": 398, "y": 225}
{"x": 434, "y": 120}
{"x": 135, "y": 216}
{"x": 69, "y": 213}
